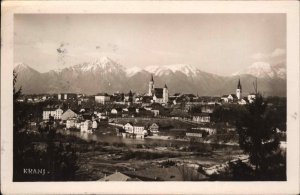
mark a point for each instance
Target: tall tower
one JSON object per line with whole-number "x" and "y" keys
{"x": 239, "y": 90}
{"x": 151, "y": 86}
{"x": 165, "y": 94}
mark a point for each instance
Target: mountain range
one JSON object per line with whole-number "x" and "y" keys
{"x": 106, "y": 75}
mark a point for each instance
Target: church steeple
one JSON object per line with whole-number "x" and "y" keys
{"x": 151, "y": 86}
{"x": 239, "y": 90}
{"x": 239, "y": 86}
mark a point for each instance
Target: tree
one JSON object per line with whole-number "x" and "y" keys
{"x": 257, "y": 135}
{"x": 16, "y": 92}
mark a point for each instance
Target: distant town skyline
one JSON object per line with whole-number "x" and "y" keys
{"x": 216, "y": 43}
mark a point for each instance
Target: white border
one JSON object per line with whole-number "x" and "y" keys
{"x": 291, "y": 8}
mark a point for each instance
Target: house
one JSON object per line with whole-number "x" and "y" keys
{"x": 118, "y": 176}
{"x": 251, "y": 97}
{"x": 128, "y": 127}
{"x": 201, "y": 118}
{"x": 67, "y": 96}
{"x": 94, "y": 125}
{"x": 102, "y": 98}
{"x": 68, "y": 114}
{"x": 55, "y": 112}
{"x": 193, "y": 133}
{"x": 137, "y": 129}
{"x": 154, "y": 129}
{"x": 86, "y": 126}
{"x": 229, "y": 98}
{"x": 243, "y": 101}
{"x": 71, "y": 123}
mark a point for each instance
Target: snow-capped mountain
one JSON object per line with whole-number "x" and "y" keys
{"x": 133, "y": 71}
{"x": 106, "y": 75}
{"x": 28, "y": 78}
{"x": 265, "y": 70}
{"x": 186, "y": 69}
{"x": 102, "y": 64}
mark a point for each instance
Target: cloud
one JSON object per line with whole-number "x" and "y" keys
{"x": 277, "y": 53}
{"x": 259, "y": 56}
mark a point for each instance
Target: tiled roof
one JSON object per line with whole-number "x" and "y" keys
{"x": 102, "y": 94}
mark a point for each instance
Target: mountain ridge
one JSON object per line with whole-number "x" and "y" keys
{"x": 104, "y": 74}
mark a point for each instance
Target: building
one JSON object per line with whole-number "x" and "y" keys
{"x": 207, "y": 130}
{"x": 67, "y": 96}
{"x": 71, "y": 123}
{"x": 54, "y": 112}
{"x": 102, "y": 98}
{"x": 251, "y": 97}
{"x": 239, "y": 91}
{"x": 243, "y": 101}
{"x": 118, "y": 176}
{"x": 86, "y": 126}
{"x": 192, "y": 133}
{"x": 229, "y": 98}
{"x": 154, "y": 129}
{"x": 136, "y": 130}
{"x": 68, "y": 114}
{"x": 94, "y": 125}
{"x": 159, "y": 95}
{"x": 201, "y": 118}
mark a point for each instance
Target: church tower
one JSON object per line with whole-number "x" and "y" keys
{"x": 151, "y": 86}
{"x": 239, "y": 90}
{"x": 165, "y": 94}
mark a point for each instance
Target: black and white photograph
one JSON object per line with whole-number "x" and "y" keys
{"x": 150, "y": 97}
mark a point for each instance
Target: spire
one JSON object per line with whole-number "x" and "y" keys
{"x": 152, "y": 78}
{"x": 166, "y": 86}
{"x": 239, "y": 85}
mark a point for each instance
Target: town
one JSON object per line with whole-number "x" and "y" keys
{"x": 174, "y": 130}
{"x": 85, "y": 113}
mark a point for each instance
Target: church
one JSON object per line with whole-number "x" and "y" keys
{"x": 159, "y": 95}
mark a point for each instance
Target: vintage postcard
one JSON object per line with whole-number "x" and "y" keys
{"x": 171, "y": 97}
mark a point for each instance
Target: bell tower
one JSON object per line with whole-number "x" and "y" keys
{"x": 151, "y": 86}
{"x": 165, "y": 94}
{"x": 239, "y": 90}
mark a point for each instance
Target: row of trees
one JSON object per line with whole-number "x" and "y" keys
{"x": 40, "y": 151}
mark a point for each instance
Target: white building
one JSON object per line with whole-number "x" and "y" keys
{"x": 102, "y": 98}
{"x": 138, "y": 130}
{"x": 71, "y": 123}
{"x": 251, "y": 97}
{"x": 239, "y": 91}
{"x": 56, "y": 113}
{"x": 86, "y": 126}
{"x": 159, "y": 95}
{"x": 94, "y": 125}
{"x": 201, "y": 118}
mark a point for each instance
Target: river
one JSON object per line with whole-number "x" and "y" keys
{"x": 99, "y": 136}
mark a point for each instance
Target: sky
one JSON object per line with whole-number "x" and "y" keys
{"x": 217, "y": 43}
